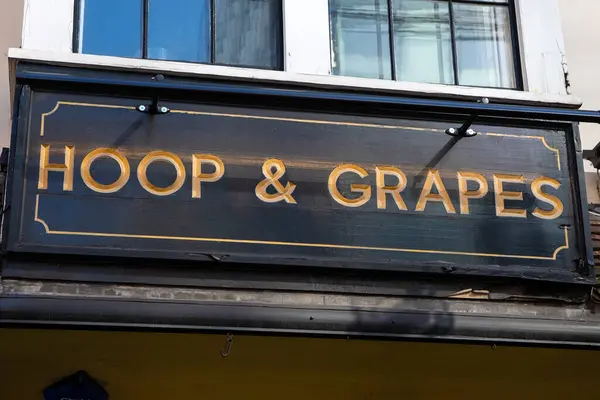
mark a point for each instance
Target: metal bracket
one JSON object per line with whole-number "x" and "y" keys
{"x": 593, "y": 156}
{"x": 465, "y": 130}
{"x": 582, "y": 267}
{"x": 154, "y": 108}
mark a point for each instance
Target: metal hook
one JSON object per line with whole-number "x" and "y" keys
{"x": 227, "y": 349}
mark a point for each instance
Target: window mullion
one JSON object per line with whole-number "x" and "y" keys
{"x": 146, "y": 11}
{"x": 213, "y": 31}
{"x": 77, "y": 24}
{"x": 516, "y": 45}
{"x": 378, "y": 27}
{"x": 392, "y": 38}
{"x": 453, "y": 40}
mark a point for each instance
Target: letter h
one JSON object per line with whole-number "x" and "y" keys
{"x": 66, "y": 168}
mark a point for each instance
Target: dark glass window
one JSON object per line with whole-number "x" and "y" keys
{"x": 247, "y": 31}
{"x": 244, "y": 33}
{"x": 462, "y": 42}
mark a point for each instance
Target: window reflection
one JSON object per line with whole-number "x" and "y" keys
{"x": 245, "y": 33}
{"x": 248, "y": 33}
{"x": 111, "y": 27}
{"x": 423, "y": 35}
{"x": 179, "y": 30}
{"x": 423, "y": 45}
{"x": 360, "y": 34}
{"x": 483, "y": 46}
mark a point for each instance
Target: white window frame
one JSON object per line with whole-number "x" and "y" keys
{"x": 48, "y": 35}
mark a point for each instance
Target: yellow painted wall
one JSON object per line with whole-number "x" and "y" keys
{"x": 188, "y": 366}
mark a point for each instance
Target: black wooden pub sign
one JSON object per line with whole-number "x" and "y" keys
{"x": 248, "y": 174}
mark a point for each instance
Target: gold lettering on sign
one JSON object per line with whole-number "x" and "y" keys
{"x": 364, "y": 189}
{"x": 273, "y": 170}
{"x": 105, "y": 153}
{"x": 502, "y": 195}
{"x": 557, "y": 205}
{"x": 198, "y": 176}
{"x": 464, "y": 194}
{"x": 382, "y": 190}
{"x": 434, "y": 178}
{"x": 271, "y": 190}
{"x": 66, "y": 168}
{"x": 161, "y": 156}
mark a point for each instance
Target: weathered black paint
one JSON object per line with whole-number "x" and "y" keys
{"x": 127, "y": 223}
{"x": 421, "y": 320}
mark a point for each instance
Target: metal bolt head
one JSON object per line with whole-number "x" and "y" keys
{"x": 142, "y": 108}
{"x": 164, "y": 109}
{"x": 452, "y": 131}
{"x": 471, "y": 132}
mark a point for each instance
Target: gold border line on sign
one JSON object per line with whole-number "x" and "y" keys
{"x": 294, "y": 244}
{"x": 213, "y": 114}
{"x": 44, "y": 115}
{"x": 70, "y": 103}
{"x": 306, "y": 121}
{"x": 49, "y": 231}
{"x": 543, "y": 139}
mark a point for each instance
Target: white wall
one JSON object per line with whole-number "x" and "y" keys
{"x": 542, "y": 46}
{"x": 11, "y": 18}
{"x": 48, "y": 25}
{"x": 581, "y": 31}
{"x": 306, "y": 36}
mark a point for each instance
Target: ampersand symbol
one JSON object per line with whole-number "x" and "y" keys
{"x": 273, "y": 169}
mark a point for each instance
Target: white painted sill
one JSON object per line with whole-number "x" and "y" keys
{"x": 316, "y": 81}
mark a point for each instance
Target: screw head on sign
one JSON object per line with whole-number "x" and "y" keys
{"x": 164, "y": 109}
{"x": 142, "y": 108}
{"x": 471, "y": 132}
{"x": 452, "y": 131}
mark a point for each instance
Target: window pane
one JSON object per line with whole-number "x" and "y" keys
{"x": 179, "y": 30}
{"x": 360, "y": 35}
{"x": 484, "y": 46}
{"x": 248, "y": 33}
{"x": 423, "y": 44}
{"x": 112, "y": 27}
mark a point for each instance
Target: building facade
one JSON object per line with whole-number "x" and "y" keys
{"x": 578, "y": 32}
{"x": 300, "y": 198}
